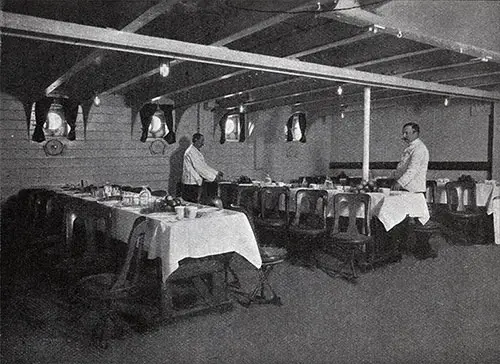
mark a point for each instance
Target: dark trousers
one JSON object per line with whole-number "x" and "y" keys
{"x": 191, "y": 193}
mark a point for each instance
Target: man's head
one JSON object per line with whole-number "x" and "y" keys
{"x": 198, "y": 140}
{"x": 411, "y": 131}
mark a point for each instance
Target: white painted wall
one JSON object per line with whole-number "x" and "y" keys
{"x": 111, "y": 153}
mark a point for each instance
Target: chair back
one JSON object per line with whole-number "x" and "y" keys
{"x": 248, "y": 198}
{"x": 430, "y": 192}
{"x": 227, "y": 193}
{"x": 130, "y": 271}
{"x": 351, "y": 204}
{"x": 274, "y": 203}
{"x": 461, "y": 196}
{"x": 310, "y": 208}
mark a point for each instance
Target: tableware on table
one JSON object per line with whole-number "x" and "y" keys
{"x": 191, "y": 211}
{"x": 180, "y": 212}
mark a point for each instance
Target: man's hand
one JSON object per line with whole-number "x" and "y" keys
{"x": 219, "y": 176}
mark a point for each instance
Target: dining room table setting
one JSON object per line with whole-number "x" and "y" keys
{"x": 177, "y": 230}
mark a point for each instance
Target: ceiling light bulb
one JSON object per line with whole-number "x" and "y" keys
{"x": 446, "y": 101}
{"x": 164, "y": 69}
{"x": 342, "y": 115}
{"x": 97, "y": 100}
{"x": 339, "y": 90}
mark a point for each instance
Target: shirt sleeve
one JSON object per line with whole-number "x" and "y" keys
{"x": 417, "y": 159}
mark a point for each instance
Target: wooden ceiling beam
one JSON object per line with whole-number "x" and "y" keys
{"x": 64, "y": 32}
{"x": 331, "y": 45}
{"x": 145, "y": 18}
{"x": 223, "y": 42}
{"x": 353, "y": 66}
{"x": 330, "y": 88}
{"x": 357, "y": 16}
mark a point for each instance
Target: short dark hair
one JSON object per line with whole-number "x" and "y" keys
{"x": 196, "y": 137}
{"x": 414, "y": 126}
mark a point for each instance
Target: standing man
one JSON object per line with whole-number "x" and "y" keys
{"x": 195, "y": 169}
{"x": 411, "y": 172}
{"x": 411, "y": 175}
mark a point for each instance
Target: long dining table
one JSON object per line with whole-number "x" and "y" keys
{"x": 213, "y": 232}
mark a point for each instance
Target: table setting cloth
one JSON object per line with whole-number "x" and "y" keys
{"x": 212, "y": 232}
{"x": 390, "y": 209}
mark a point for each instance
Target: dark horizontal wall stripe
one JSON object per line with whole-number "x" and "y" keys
{"x": 449, "y": 166}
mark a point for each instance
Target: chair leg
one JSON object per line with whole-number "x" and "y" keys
{"x": 258, "y": 294}
{"x": 263, "y": 284}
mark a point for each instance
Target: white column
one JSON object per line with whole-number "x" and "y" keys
{"x": 366, "y": 135}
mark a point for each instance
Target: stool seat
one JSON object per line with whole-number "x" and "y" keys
{"x": 272, "y": 255}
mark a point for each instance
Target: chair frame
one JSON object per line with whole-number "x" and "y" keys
{"x": 124, "y": 284}
{"x": 352, "y": 240}
{"x": 313, "y": 202}
{"x": 460, "y": 211}
{"x": 258, "y": 294}
{"x": 310, "y": 196}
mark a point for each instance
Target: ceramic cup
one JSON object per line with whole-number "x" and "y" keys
{"x": 191, "y": 211}
{"x": 180, "y": 211}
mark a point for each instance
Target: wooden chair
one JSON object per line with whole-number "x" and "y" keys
{"x": 308, "y": 227}
{"x": 353, "y": 237}
{"x": 424, "y": 232}
{"x": 226, "y": 192}
{"x": 462, "y": 208}
{"x": 101, "y": 292}
{"x": 263, "y": 292}
{"x": 273, "y": 214}
{"x": 248, "y": 198}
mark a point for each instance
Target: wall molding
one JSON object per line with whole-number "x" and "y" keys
{"x": 449, "y": 166}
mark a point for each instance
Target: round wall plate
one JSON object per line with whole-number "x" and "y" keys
{"x": 157, "y": 147}
{"x": 53, "y": 147}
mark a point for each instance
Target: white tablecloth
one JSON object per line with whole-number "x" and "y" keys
{"x": 171, "y": 240}
{"x": 390, "y": 209}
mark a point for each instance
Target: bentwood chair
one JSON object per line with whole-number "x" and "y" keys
{"x": 352, "y": 237}
{"x": 309, "y": 226}
{"x": 273, "y": 214}
{"x": 102, "y": 292}
{"x": 263, "y": 292}
{"x": 462, "y": 208}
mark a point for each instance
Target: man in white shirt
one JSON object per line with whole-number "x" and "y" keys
{"x": 195, "y": 170}
{"x": 411, "y": 175}
{"x": 411, "y": 172}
